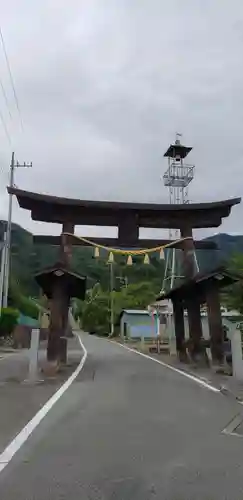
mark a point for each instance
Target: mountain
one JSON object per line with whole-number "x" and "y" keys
{"x": 228, "y": 244}
{"x": 27, "y": 259}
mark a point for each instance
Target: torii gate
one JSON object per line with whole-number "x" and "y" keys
{"x": 129, "y": 218}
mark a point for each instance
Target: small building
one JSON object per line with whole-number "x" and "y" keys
{"x": 137, "y": 324}
{"x": 230, "y": 319}
{"x": 162, "y": 306}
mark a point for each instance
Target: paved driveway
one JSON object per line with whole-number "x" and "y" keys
{"x": 129, "y": 429}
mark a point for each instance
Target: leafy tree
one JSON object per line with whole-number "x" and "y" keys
{"x": 17, "y": 300}
{"x": 96, "y": 314}
{"x": 95, "y": 310}
{"x": 233, "y": 295}
{"x": 28, "y": 307}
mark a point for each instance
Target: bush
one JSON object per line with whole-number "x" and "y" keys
{"x": 8, "y": 320}
{"x": 28, "y": 308}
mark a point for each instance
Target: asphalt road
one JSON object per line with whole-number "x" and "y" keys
{"x": 20, "y": 401}
{"x": 129, "y": 429}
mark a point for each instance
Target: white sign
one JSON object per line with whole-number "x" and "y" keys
{"x": 237, "y": 361}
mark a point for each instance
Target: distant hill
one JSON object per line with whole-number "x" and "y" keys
{"x": 228, "y": 244}
{"x": 28, "y": 258}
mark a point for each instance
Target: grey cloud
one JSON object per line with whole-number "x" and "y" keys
{"x": 104, "y": 86}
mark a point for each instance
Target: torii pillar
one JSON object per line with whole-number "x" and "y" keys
{"x": 59, "y": 285}
{"x": 192, "y": 304}
{"x": 215, "y": 324}
{"x": 66, "y": 245}
{"x": 59, "y": 305}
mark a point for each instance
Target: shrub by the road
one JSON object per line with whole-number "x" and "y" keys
{"x": 8, "y": 320}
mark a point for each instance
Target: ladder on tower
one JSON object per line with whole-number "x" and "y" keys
{"x": 177, "y": 178}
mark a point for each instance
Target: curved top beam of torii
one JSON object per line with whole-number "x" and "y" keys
{"x": 59, "y": 210}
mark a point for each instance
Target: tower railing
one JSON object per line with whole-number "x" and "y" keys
{"x": 178, "y": 175}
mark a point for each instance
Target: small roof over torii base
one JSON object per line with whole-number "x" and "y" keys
{"x": 73, "y": 284}
{"x": 200, "y": 283}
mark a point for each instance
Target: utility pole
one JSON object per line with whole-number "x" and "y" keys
{"x": 13, "y": 165}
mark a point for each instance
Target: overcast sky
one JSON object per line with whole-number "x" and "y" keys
{"x": 103, "y": 85}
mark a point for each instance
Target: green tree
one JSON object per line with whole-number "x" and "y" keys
{"x": 233, "y": 295}
{"x": 94, "y": 312}
{"x": 19, "y": 301}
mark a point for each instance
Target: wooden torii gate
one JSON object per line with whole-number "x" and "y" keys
{"x": 129, "y": 218}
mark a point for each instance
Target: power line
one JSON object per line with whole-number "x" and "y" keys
{"x": 5, "y": 128}
{"x": 5, "y": 98}
{"x": 11, "y": 76}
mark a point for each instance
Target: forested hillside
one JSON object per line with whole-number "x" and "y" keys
{"x": 28, "y": 258}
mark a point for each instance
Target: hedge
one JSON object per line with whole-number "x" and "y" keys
{"x": 8, "y": 320}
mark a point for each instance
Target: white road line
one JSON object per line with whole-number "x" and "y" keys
{"x": 7, "y": 355}
{"x": 233, "y": 425}
{"x": 172, "y": 368}
{"x": 23, "y": 435}
{"x": 232, "y": 434}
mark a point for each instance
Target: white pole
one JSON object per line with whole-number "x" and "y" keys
{"x": 33, "y": 355}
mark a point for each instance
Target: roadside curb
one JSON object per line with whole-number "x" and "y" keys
{"x": 227, "y": 392}
{"x": 188, "y": 375}
{"x": 12, "y": 448}
{"x": 216, "y": 386}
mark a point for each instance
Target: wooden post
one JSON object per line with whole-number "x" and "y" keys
{"x": 215, "y": 324}
{"x": 66, "y": 244}
{"x": 178, "y": 311}
{"x": 188, "y": 252}
{"x": 193, "y": 304}
{"x": 195, "y": 324}
{"x": 63, "y": 350}
{"x": 56, "y": 324}
{"x": 57, "y": 349}
{"x": 128, "y": 228}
